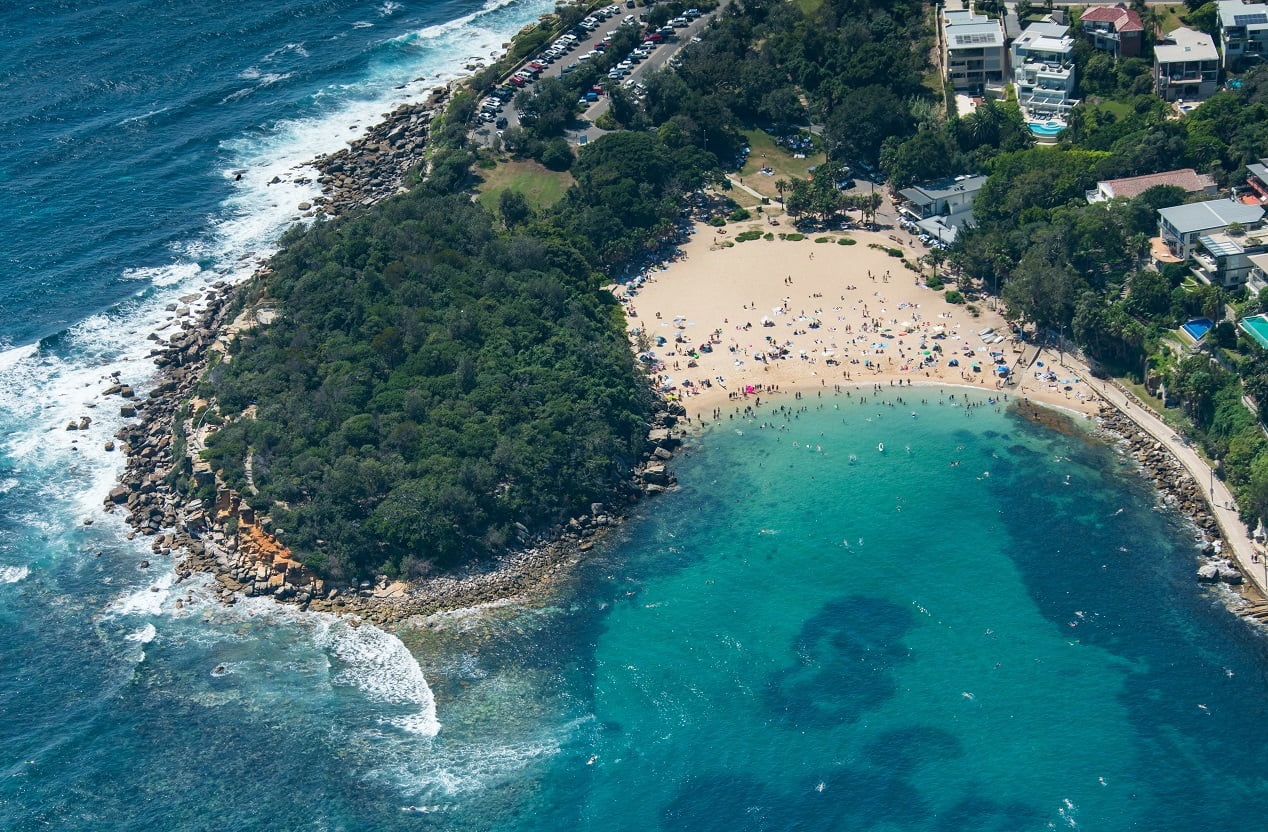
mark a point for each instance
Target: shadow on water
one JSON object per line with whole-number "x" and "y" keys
{"x": 846, "y": 657}
{"x": 1119, "y": 576}
{"x": 882, "y": 792}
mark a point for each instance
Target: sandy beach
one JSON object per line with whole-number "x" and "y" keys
{"x": 724, "y": 325}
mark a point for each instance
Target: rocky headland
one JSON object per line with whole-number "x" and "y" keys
{"x": 227, "y": 539}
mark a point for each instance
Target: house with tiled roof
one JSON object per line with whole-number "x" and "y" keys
{"x": 1131, "y": 187}
{"x": 1115, "y": 29}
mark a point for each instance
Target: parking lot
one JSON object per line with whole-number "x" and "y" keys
{"x": 587, "y": 41}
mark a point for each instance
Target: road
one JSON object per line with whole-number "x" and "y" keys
{"x": 657, "y": 60}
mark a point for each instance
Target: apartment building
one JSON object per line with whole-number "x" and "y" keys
{"x": 1043, "y": 69}
{"x": 973, "y": 53}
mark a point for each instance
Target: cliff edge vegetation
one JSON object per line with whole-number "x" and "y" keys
{"x": 430, "y": 381}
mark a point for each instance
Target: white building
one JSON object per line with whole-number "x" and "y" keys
{"x": 1186, "y": 66}
{"x": 973, "y": 55}
{"x": 942, "y": 207}
{"x": 1043, "y": 69}
{"x": 1243, "y": 31}
{"x": 1181, "y": 225}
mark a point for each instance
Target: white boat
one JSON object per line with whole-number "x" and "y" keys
{"x": 880, "y": 446}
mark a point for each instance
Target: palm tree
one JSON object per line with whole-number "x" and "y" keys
{"x": 781, "y": 185}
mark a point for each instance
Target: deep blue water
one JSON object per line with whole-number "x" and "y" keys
{"x": 809, "y": 635}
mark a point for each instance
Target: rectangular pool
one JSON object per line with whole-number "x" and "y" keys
{"x": 1257, "y": 328}
{"x": 1197, "y": 327}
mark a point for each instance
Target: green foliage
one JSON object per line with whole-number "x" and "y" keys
{"x": 953, "y": 296}
{"x": 717, "y": 222}
{"x": 745, "y": 236}
{"x": 557, "y": 154}
{"x": 793, "y": 236}
{"x": 739, "y": 215}
{"x": 432, "y": 381}
{"x": 1225, "y": 334}
{"x": 847, "y": 241}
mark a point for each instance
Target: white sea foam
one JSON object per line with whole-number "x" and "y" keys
{"x": 144, "y": 635}
{"x": 143, "y": 116}
{"x": 13, "y": 574}
{"x": 148, "y": 600}
{"x": 380, "y": 666}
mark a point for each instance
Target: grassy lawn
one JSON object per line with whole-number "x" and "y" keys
{"x": 541, "y": 187}
{"x": 1120, "y": 109}
{"x": 809, "y": 7}
{"x": 1170, "y": 16}
{"x": 763, "y": 152}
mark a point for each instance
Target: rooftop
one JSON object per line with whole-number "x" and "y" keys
{"x": 966, "y": 30}
{"x": 1259, "y": 169}
{"x": 1133, "y": 186}
{"x": 1042, "y": 42}
{"x": 1236, "y": 13}
{"x": 1214, "y": 213}
{"x": 1048, "y": 28}
{"x": 1121, "y": 18}
{"x": 943, "y": 188}
{"x": 1186, "y": 45}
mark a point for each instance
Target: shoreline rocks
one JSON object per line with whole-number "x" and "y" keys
{"x": 1176, "y": 489}
{"x": 376, "y": 165}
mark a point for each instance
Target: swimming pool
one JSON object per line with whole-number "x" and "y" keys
{"x": 1257, "y": 328}
{"x": 1047, "y": 129}
{"x": 1197, "y": 327}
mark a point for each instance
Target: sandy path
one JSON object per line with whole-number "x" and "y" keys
{"x": 840, "y": 315}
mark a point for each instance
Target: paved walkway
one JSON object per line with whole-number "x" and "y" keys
{"x": 1237, "y": 541}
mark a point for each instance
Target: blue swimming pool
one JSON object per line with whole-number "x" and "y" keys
{"x": 1197, "y": 327}
{"x": 1047, "y": 129}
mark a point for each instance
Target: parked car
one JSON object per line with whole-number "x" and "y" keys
{"x": 500, "y": 123}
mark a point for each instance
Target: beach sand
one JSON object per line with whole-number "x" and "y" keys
{"x": 843, "y": 316}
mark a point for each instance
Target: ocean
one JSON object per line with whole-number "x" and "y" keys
{"x": 987, "y": 625}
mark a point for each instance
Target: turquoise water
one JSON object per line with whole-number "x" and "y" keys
{"x": 708, "y": 670}
{"x": 1046, "y": 129}
{"x": 1257, "y": 327}
{"x": 800, "y": 640}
